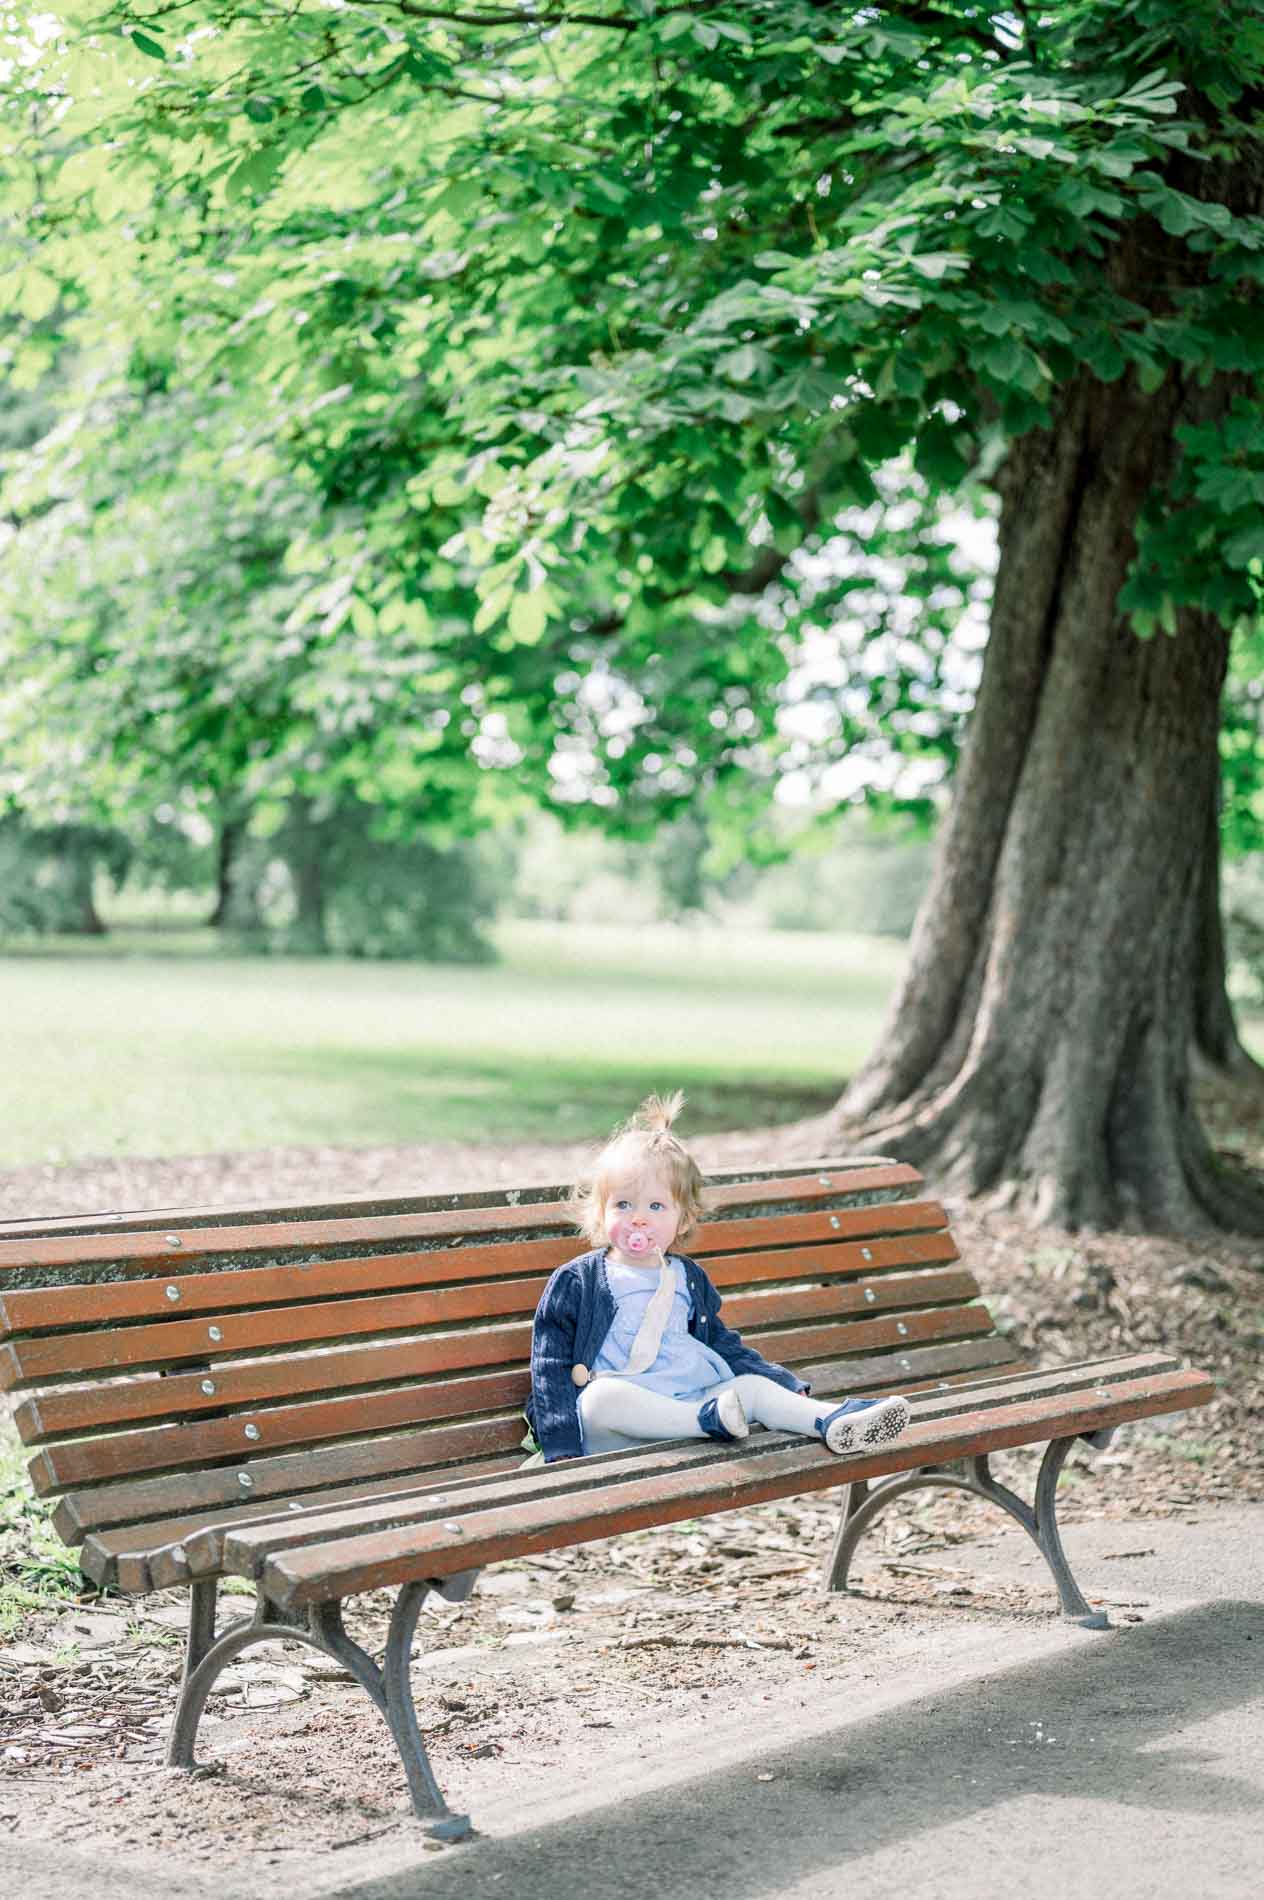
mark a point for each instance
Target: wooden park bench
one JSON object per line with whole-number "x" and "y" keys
{"x": 326, "y": 1399}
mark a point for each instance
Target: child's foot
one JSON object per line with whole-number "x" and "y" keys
{"x": 863, "y": 1424}
{"x": 724, "y": 1417}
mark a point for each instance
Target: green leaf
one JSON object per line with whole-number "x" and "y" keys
{"x": 1103, "y": 356}
{"x": 254, "y": 173}
{"x": 462, "y": 195}
{"x": 740, "y": 364}
{"x": 1241, "y": 549}
{"x": 37, "y": 295}
{"x": 528, "y": 616}
{"x": 1003, "y": 359}
{"x": 145, "y": 42}
{"x": 491, "y": 609}
{"x": 936, "y": 264}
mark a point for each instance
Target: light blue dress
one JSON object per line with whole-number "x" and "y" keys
{"x": 684, "y": 1368}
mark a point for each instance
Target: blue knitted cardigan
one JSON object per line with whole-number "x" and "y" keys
{"x": 576, "y": 1312}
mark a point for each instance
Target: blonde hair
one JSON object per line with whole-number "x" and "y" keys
{"x": 646, "y": 1137}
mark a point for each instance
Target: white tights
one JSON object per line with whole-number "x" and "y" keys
{"x": 616, "y": 1413}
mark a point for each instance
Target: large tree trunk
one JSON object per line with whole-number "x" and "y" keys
{"x": 1040, "y": 1043}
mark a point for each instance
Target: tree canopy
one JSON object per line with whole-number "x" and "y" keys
{"x": 526, "y": 338}
{"x": 529, "y": 358}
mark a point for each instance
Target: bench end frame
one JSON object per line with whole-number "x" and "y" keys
{"x": 389, "y": 1687}
{"x": 974, "y": 1475}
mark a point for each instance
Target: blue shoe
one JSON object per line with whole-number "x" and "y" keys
{"x": 863, "y": 1424}
{"x": 723, "y": 1417}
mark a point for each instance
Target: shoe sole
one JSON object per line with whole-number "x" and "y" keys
{"x": 880, "y": 1426}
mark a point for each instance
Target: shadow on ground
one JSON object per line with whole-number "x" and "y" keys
{"x": 1005, "y": 1783}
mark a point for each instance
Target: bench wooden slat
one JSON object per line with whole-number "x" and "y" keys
{"x": 440, "y": 1224}
{"x": 44, "y": 1309}
{"x": 893, "y": 1372}
{"x": 378, "y": 1560}
{"x": 62, "y": 1411}
{"x": 793, "y": 1347}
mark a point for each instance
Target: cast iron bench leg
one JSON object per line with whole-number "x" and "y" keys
{"x": 973, "y": 1475}
{"x": 388, "y": 1688}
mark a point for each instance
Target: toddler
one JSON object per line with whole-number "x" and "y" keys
{"x": 628, "y": 1343}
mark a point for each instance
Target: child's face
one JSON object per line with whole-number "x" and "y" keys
{"x": 640, "y": 1216}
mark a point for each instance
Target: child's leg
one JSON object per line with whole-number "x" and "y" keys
{"x": 616, "y": 1413}
{"x": 856, "y": 1425}
{"x": 769, "y": 1404}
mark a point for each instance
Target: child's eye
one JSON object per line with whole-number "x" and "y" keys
{"x": 656, "y": 1207}
{"x": 621, "y": 1204}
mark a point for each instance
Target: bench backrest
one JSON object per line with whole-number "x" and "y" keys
{"x": 188, "y": 1372}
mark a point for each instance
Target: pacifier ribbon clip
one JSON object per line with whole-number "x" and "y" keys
{"x": 649, "y": 1334}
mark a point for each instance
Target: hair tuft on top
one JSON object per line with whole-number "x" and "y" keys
{"x": 657, "y": 1113}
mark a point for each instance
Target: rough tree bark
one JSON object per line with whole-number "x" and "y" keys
{"x": 1039, "y": 1047}
{"x": 1218, "y": 1048}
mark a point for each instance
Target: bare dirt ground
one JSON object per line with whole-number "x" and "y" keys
{"x": 553, "y": 1663}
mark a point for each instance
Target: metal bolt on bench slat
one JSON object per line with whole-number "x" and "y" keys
{"x": 208, "y": 1386}
{"x": 245, "y": 1480}
{"x": 173, "y": 1292}
{"x": 214, "y": 1332}
{"x": 834, "y": 1222}
{"x": 174, "y": 1240}
{"x": 252, "y": 1431}
{"x": 865, "y": 1254}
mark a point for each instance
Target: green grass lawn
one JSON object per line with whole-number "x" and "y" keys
{"x": 148, "y": 1044}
